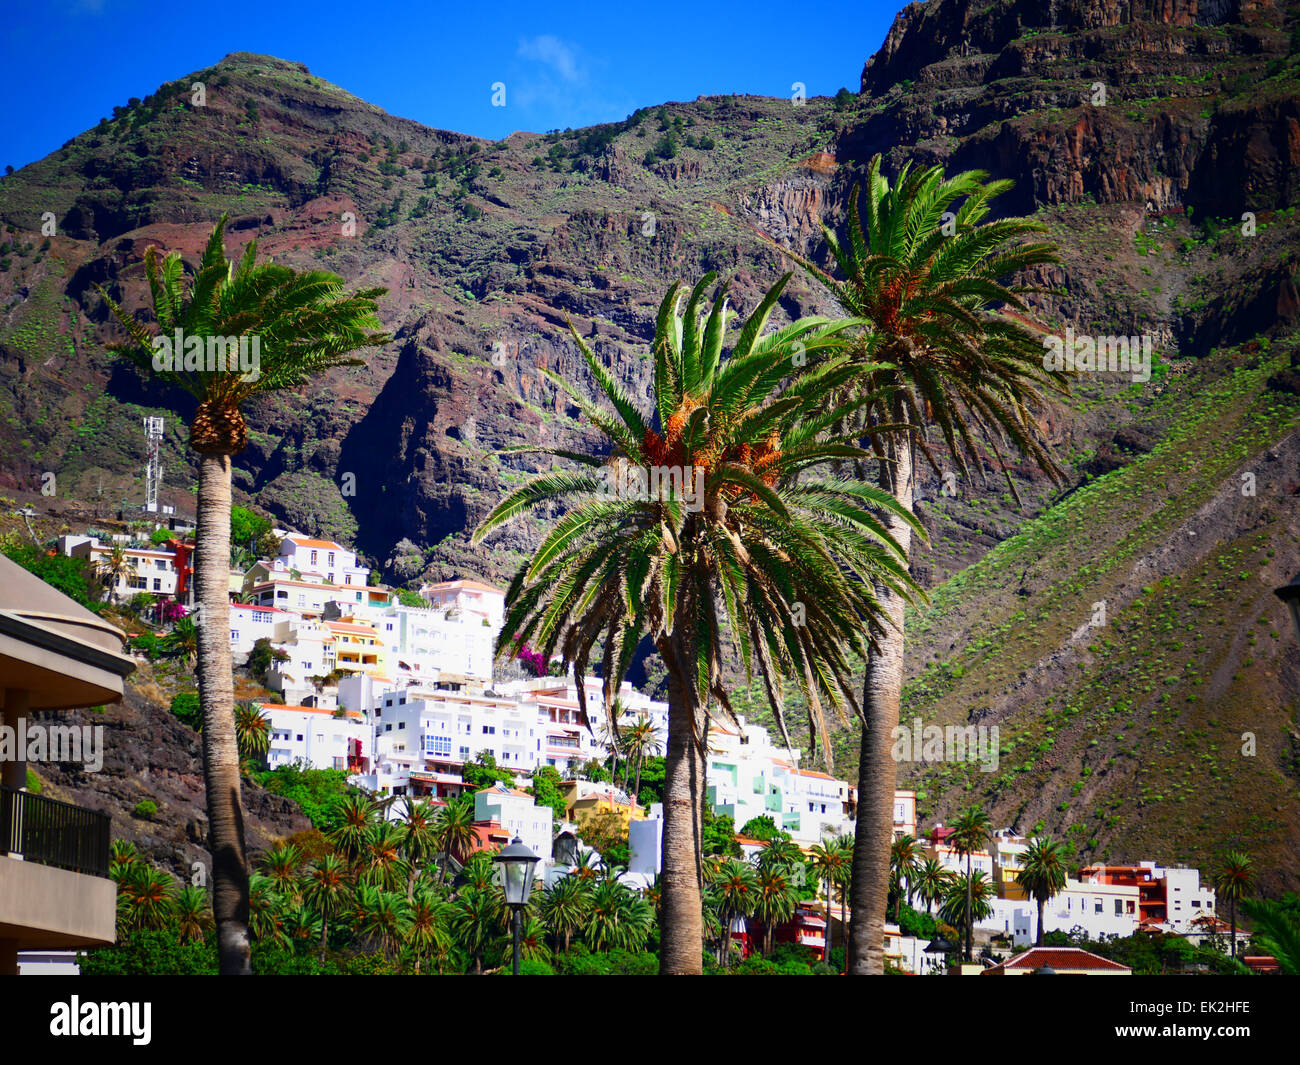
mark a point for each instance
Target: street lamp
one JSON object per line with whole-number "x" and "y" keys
{"x": 517, "y": 865}
{"x": 1290, "y": 595}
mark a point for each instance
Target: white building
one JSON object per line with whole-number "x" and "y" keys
{"x": 250, "y": 623}
{"x": 319, "y": 737}
{"x": 471, "y": 599}
{"x": 1099, "y": 909}
{"x": 310, "y": 647}
{"x": 331, "y": 562}
{"x": 519, "y": 815}
{"x": 150, "y": 570}
{"x": 431, "y": 730}
{"x": 1186, "y": 898}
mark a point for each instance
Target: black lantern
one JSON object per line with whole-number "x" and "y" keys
{"x": 517, "y": 865}
{"x": 1290, "y": 595}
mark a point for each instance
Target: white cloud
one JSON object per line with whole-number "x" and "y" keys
{"x": 560, "y": 56}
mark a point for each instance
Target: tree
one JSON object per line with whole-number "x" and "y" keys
{"x": 349, "y": 838}
{"x": 193, "y": 913}
{"x": 830, "y": 864}
{"x": 750, "y": 548}
{"x": 184, "y": 640}
{"x": 774, "y": 902}
{"x": 1043, "y": 874}
{"x": 967, "y": 900}
{"x": 948, "y": 354}
{"x": 734, "y": 890}
{"x": 482, "y": 771}
{"x": 280, "y": 866}
{"x": 453, "y": 833}
{"x": 478, "y": 919}
{"x": 904, "y": 864}
{"x": 418, "y": 840}
{"x": 564, "y": 908}
{"x": 429, "y": 926}
{"x": 761, "y": 828}
{"x": 971, "y": 832}
{"x": 1234, "y": 882}
{"x": 931, "y": 883}
{"x": 326, "y": 891}
{"x": 114, "y": 568}
{"x": 304, "y": 324}
{"x": 545, "y": 790}
{"x": 252, "y": 729}
{"x": 262, "y": 657}
{"x": 1277, "y": 930}
{"x": 639, "y": 743}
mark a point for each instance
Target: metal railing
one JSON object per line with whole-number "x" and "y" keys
{"x": 56, "y": 833}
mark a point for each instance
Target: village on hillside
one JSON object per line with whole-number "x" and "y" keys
{"x": 400, "y": 688}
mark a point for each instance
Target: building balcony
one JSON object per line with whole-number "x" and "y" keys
{"x": 54, "y": 887}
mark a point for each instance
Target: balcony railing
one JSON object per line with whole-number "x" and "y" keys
{"x": 55, "y": 833}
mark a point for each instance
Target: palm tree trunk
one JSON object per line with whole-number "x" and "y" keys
{"x": 324, "y": 932}
{"x": 877, "y": 770}
{"x": 829, "y": 887}
{"x": 217, "y": 700}
{"x": 682, "y": 877}
{"x": 1232, "y": 916}
{"x": 969, "y": 915}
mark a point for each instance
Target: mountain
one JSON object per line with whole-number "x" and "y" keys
{"x": 1159, "y": 143}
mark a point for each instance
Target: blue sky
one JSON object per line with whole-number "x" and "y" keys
{"x": 64, "y": 64}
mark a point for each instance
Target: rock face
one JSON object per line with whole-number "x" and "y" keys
{"x": 149, "y": 754}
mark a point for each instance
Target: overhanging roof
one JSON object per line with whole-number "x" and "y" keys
{"x": 55, "y": 648}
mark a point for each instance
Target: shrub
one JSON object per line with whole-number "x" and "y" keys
{"x": 145, "y": 809}
{"x": 185, "y": 707}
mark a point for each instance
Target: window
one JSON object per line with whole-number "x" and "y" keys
{"x": 331, "y": 558}
{"x": 313, "y": 558}
{"x": 1096, "y": 906}
{"x": 234, "y": 635}
{"x": 1119, "y": 907}
{"x": 157, "y": 584}
{"x": 158, "y": 563}
{"x": 489, "y": 730}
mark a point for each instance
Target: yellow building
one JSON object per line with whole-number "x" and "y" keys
{"x": 357, "y": 648}
{"x": 583, "y": 799}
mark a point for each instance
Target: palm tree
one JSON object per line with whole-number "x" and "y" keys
{"x": 381, "y": 917}
{"x": 265, "y": 912}
{"x": 1043, "y": 874}
{"x": 968, "y": 899}
{"x": 904, "y": 864}
{"x": 112, "y": 568}
{"x": 784, "y": 566}
{"x": 381, "y": 861}
{"x": 564, "y": 908}
{"x": 193, "y": 913}
{"x": 950, "y": 355}
{"x": 971, "y": 832}
{"x": 1277, "y": 930}
{"x": 931, "y": 883}
{"x": 641, "y": 743}
{"x": 304, "y": 323}
{"x": 146, "y": 897}
{"x": 252, "y": 729}
{"x": 326, "y": 891}
{"x": 781, "y": 854}
{"x": 357, "y": 814}
{"x": 830, "y": 863}
{"x": 734, "y": 888}
{"x": 183, "y": 641}
{"x": 300, "y": 923}
{"x": 774, "y": 902}
{"x": 617, "y": 917}
{"x": 429, "y": 929}
{"x": 453, "y": 833}
{"x": 280, "y": 866}
{"x": 478, "y": 920}
{"x": 1234, "y": 882}
{"x": 417, "y": 837}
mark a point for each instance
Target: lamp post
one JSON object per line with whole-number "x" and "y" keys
{"x": 517, "y": 865}
{"x": 1290, "y": 595}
